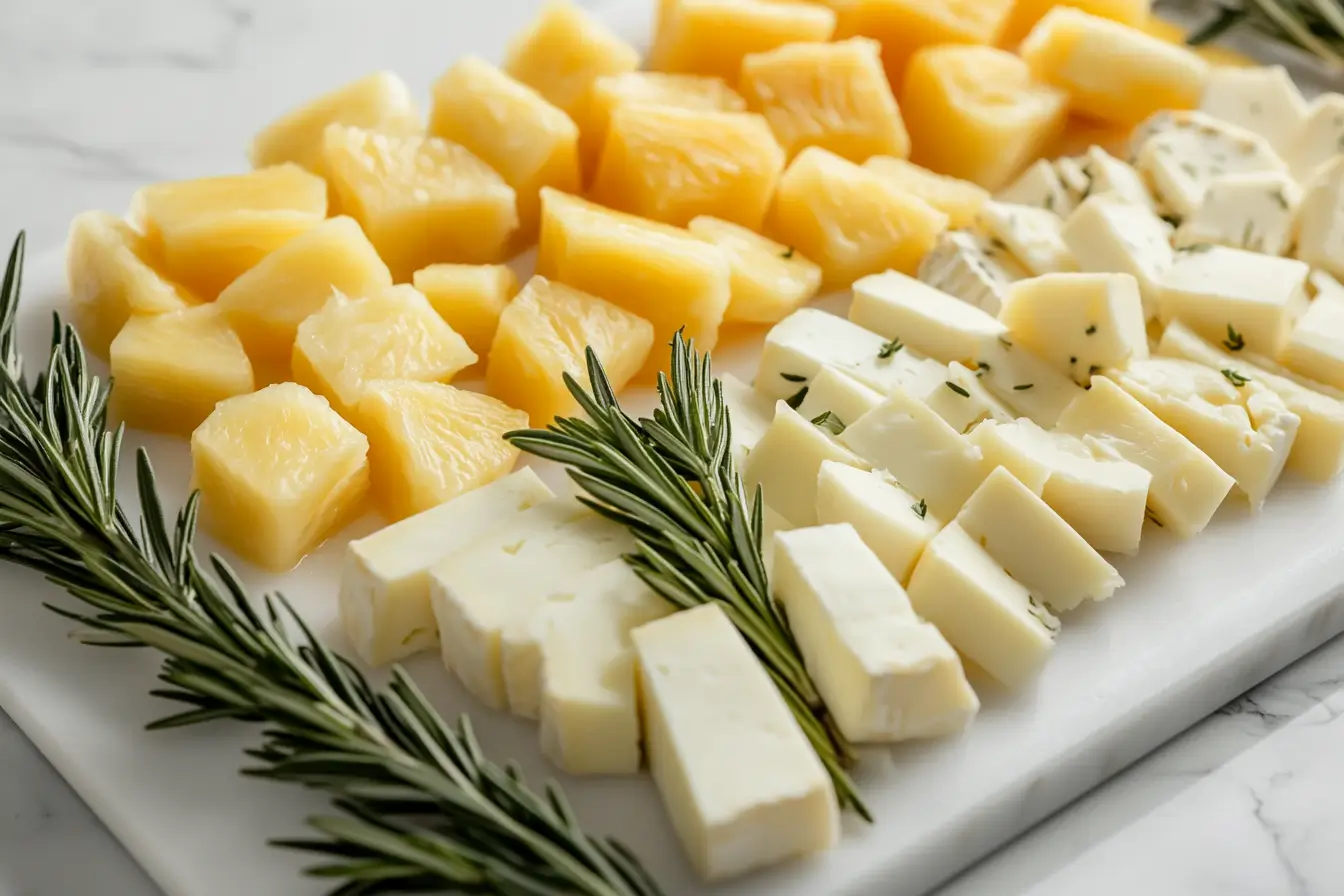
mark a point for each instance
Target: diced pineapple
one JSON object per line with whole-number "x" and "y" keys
{"x": 210, "y": 230}
{"x": 111, "y": 279}
{"x": 711, "y": 37}
{"x": 671, "y": 165}
{"x": 661, "y": 273}
{"x": 267, "y": 304}
{"x": 470, "y": 297}
{"x": 170, "y": 370}
{"x": 394, "y": 334}
{"x": 1026, "y": 13}
{"x": 976, "y": 113}
{"x": 770, "y": 280}
{"x": 959, "y": 199}
{"x": 564, "y": 50}
{"x": 430, "y": 442}
{"x": 905, "y": 26}
{"x": 543, "y": 335}
{"x": 849, "y": 220}
{"x": 510, "y": 127}
{"x": 278, "y": 471}
{"x": 421, "y": 200}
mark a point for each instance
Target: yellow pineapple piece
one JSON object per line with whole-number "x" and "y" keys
{"x": 711, "y": 37}
{"x": 212, "y": 229}
{"x": 849, "y": 220}
{"x": 564, "y": 50}
{"x": 470, "y": 297}
{"x": 832, "y": 95}
{"x": 430, "y": 442}
{"x": 960, "y": 200}
{"x": 111, "y": 279}
{"x": 278, "y": 472}
{"x": 510, "y": 127}
{"x": 421, "y": 200}
{"x": 903, "y": 27}
{"x": 659, "y": 272}
{"x": 170, "y": 370}
{"x": 393, "y": 334}
{"x": 543, "y": 335}
{"x": 1026, "y": 13}
{"x": 769, "y": 281}
{"x": 670, "y": 165}
{"x": 977, "y": 113}
{"x": 267, "y": 304}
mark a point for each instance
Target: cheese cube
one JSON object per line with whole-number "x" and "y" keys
{"x": 963, "y": 401}
{"x": 1026, "y": 383}
{"x": 1106, "y": 234}
{"x": 564, "y": 50}
{"x": 713, "y": 37}
{"x": 971, "y": 267}
{"x": 992, "y": 620}
{"x": 1033, "y": 235}
{"x": 469, "y": 297}
{"x": 1255, "y": 212}
{"x": 785, "y": 462}
{"x": 1040, "y": 186}
{"x": 384, "y": 596}
{"x": 925, "y": 319}
{"x": 885, "y": 675}
{"x": 905, "y": 26}
{"x": 891, "y": 520}
{"x": 959, "y": 199}
{"x": 1034, "y": 545}
{"x": 589, "y": 700}
{"x": 1212, "y": 288}
{"x": 772, "y": 522}
{"x": 1073, "y": 176}
{"x": 1261, "y": 99}
{"x": 750, "y": 413}
{"x": 739, "y": 779}
{"x": 769, "y": 280}
{"x": 1187, "y": 486}
{"x": 1185, "y": 157}
{"x": 488, "y": 594}
{"x": 1320, "y": 240}
{"x": 1105, "y": 174}
{"x": 1315, "y": 347}
{"x": 1080, "y": 323}
{"x": 1319, "y": 139}
{"x": 845, "y": 398}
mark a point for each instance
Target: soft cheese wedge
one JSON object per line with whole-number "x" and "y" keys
{"x": 769, "y": 280}
{"x": 925, "y": 319}
{"x": 1188, "y": 151}
{"x": 969, "y": 266}
{"x": 838, "y": 394}
{"x": 1033, "y": 235}
{"x": 750, "y": 412}
{"x": 885, "y": 674}
{"x": 1103, "y": 173}
{"x": 1256, "y": 212}
{"x": 786, "y": 461}
{"x": 1024, "y": 381}
{"x": 1320, "y": 240}
{"x": 1319, "y": 139}
{"x": 1261, "y": 99}
{"x": 1040, "y": 186}
{"x": 892, "y": 521}
{"x": 384, "y": 598}
{"x": 1315, "y": 347}
{"x": 963, "y": 401}
{"x": 1106, "y": 234}
{"x": 740, "y": 782}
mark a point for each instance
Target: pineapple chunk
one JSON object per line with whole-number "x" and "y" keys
{"x": 905, "y": 26}
{"x": 670, "y": 165}
{"x": 832, "y": 95}
{"x": 267, "y": 304}
{"x": 170, "y": 370}
{"x": 976, "y": 113}
{"x": 511, "y": 128}
{"x": 770, "y": 280}
{"x": 278, "y": 471}
{"x": 849, "y": 220}
{"x": 111, "y": 279}
{"x": 1026, "y": 13}
{"x": 711, "y": 37}
{"x": 960, "y": 200}
{"x": 393, "y": 334}
{"x": 661, "y": 273}
{"x": 430, "y": 442}
{"x": 210, "y": 230}
{"x": 1112, "y": 72}
{"x": 421, "y": 200}
{"x": 470, "y": 297}
{"x": 564, "y": 51}
{"x": 542, "y": 335}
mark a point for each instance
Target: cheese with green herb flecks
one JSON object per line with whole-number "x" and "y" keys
{"x": 1256, "y": 212}
{"x": 926, "y": 319}
{"x": 786, "y": 460}
{"x": 1320, "y": 220}
{"x": 1025, "y": 382}
{"x": 971, "y": 267}
{"x": 1261, "y": 99}
{"x": 1321, "y": 137}
{"x": 1315, "y": 347}
{"x": 1108, "y": 175}
{"x": 963, "y": 401}
{"x": 892, "y": 520}
{"x": 1181, "y": 160}
{"x": 838, "y": 394}
{"x": 1108, "y": 235}
{"x": 1033, "y": 235}
{"x": 1040, "y": 186}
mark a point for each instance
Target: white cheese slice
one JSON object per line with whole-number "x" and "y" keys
{"x": 384, "y": 597}
{"x": 1255, "y": 212}
{"x": 1034, "y": 545}
{"x": 1262, "y": 99}
{"x": 891, "y": 520}
{"x": 1077, "y": 183}
{"x": 1187, "y": 486}
{"x": 844, "y": 397}
{"x": 749, "y": 413}
{"x": 1320, "y": 239}
{"x": 1181, "y": 160}
{"x": 1315, "y": 347}
{"x": 1040, "y": 186}
{"x": 486, "y": 596}
{"x": 1320, "y": 137}
{"x": 589, "y": 705}
{"x": 1108, "y": 235}
{"x": 1033, "y": 235}
{"x": 967, "y": 265}
{"x": 1107, "y": 175}
{"x": 885, "y": 674}
{"x": 925, "y": 319}
{"x": 963, "y": 401}
{"x": 772, "y": 522}
{"x": 1026, "y": 383}
{"x": 990, "y": 618}
{"x": 785, "y": 463}
{"x": 740, "y": 782}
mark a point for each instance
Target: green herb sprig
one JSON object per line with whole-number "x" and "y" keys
{"x": 1316, "y": 26}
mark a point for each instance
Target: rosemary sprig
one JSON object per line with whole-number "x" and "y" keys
{"x": 1316, "y": 26}
{"x": 672, "y": 481}
{"x": 419, "y": 807}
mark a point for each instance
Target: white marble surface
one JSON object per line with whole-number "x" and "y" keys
{"x": 101, "y": 97}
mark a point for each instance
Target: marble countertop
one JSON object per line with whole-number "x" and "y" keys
{"x": 101, "y": 98}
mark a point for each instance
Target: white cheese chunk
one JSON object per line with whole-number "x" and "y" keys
{"x": 384, "y": 597}
{"x": 740, "y": 782}
{"x": 891, "y": 520}
{"x": 1107, "y": 175}
{"x": 844, "y": 397}
{"x": 1212, "y": 288}
{"x": 1320, "y": 240}
{"x": 772, "y": 522}
{"x": 589, "y": 706}
{"x": 486, "y": 596}
{"x": 885, "y": 674}
{"x": 1245, "y": 428}
{"x": 1033, "y": 235}
{"x": 785, "y": 463}
{"x": 1315, "y": 347}
{"x": 1077, "y": 183}
{"x": 1108, "y": 235}
{"x": 969, "y": 266}
{"x": 1034, "y": 545}
{"x": 1040, "y": 186}
{"x": 1182, "y": 160}
{"x": 750, "y": 413}
{"x": 990, "y": 618}
{"x": 1256, "y": 212}
{"x": 1320, "y": 137}
{"x": 1026, "y": 383}
{"x": 1080, "y": 323}
{"x": 963, "y": 401}
{"x": 1187, "y": 486}
{"x": 925, "y": 319}
{"x": 1262, "y": 99}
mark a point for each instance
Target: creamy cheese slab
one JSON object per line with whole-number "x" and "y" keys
{"x": 1073, "y": 175}
{"x": 1256, "y": 212}
{"x": 968, "y": 265}
{"x": 963, "y": 401}
{"x": 839, "y": 394}
{"x": 1039, "y": 186}
{"x": 1108, "y": 235}
{"x": 1182, "y": 159}
{"x": 739, "y": 780}
{"x": 1320, "y": 221}
{"x": 1315, "y": 347}
{"x": 885, "y": 674}
{"x": 1033, "y": 235}
{"x": 1025, "y": 382}
{"x": 1109, "y": 176}
{"x": 1262, "y": 99}
{"x": 785, "y": 463}
{"x": 749, "y": 412}
{"x": 892, "y": 520}
{"x": 923, "y": 318}
{"x": 1320, "y": 137}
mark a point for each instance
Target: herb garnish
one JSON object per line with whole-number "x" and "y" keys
{"x": 1040, "y": 614}
{"x": 793, "y": 377}
{"x": 1233, "y": 342}
{"x": 981, "y": 368}
{"x": 829, "y": 422}
{"x": 1022, "y": 387}
{"x": 1152, "y": 517}
{"x": 796, "y": 398}
{"x": 889, "y": 348}
{"x": 1091, "y": 329}
{"x": 1003, "y": 340}
{"x": 921, "y": 509}
{"x": 787, "y": 253}
{"x": 957, "y": 389}
{"x": 1235, "y": 378}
